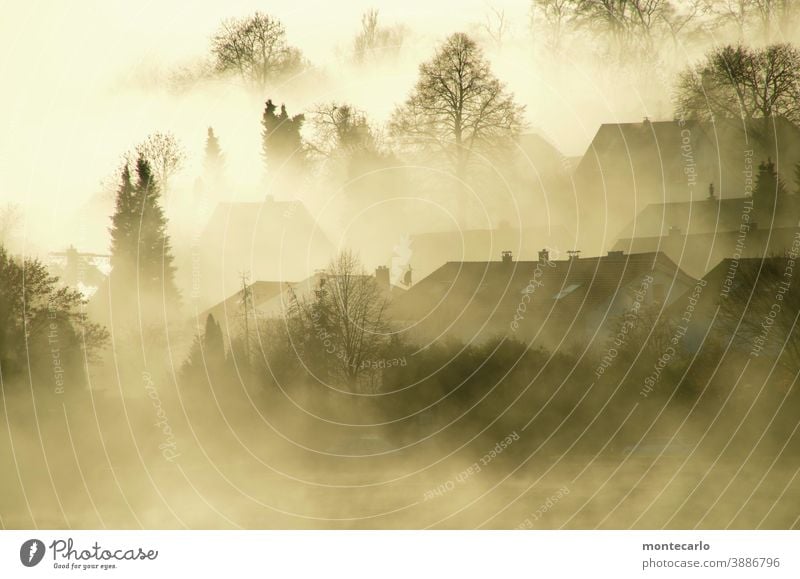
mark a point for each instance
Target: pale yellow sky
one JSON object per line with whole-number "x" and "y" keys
{"x": 62, "y": 64}
{"x": 72, "y": 104}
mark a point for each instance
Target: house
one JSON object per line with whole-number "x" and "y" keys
{"x": 629, "y": 166}
{"x": 427, "y": 251}
{"x": 273, "y": 299}
{"x": 553, "y": 303}
{"x": 277, "y": 240}
{"x": 85, "y": 272}
{"x": 697, "y": 235}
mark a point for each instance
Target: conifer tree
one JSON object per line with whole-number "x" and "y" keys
{"x": 141, "y": 254}
{"x": 214, "y": 162}
{"x": 281, "y": 143}
{"x": 768, "y": 186}
{"x": 156, "y": 272}
{"x": 123, "y": 227}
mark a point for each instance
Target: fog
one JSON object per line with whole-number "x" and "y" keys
{"x": 581, "y": 323}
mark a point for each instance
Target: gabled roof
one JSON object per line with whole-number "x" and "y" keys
{"x": 710, "y": 215}
{"x": 429, "y": 250}
{"x": 272, "y": 299}
{"x": 657, "y": 158}
{"x": 261, "y": 292}
{"x": 486, "y": 286}
{"x": 698, "y": 253}
{"x": 277, "y": 240}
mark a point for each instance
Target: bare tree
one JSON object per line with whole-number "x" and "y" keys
{"x": 375, "y": 41}
{"x": 495, "y": 25}
{"x": 556, "y": 18}
{"x": 255, "y": 48}
{"x": 742, "y": 82}
{"x": 776, "y": 18}
{"x": 458, "y": 108}
{"x": 165, "y": 155}
{"x": 347, "y": 316}
{"x": 340, "y": 128}
{"x": 732, "y": 13}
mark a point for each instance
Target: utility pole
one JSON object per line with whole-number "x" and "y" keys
{"x": 247, "y": 304}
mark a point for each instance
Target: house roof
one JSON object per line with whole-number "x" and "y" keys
{"x": 660, "y": 159}
{"x": 272, "y": 298}
{"x": 429, "y": 250}
{"x": 486, "y": 286}
{"x": 711, "y": 215}
{"x": 699, "y": 253}
{"x": 277, "y": 240}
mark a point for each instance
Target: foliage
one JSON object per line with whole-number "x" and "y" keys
{"x": 281, "y": 143}
{"x": 36, "y": 309}
{"x": 141, "y": 254}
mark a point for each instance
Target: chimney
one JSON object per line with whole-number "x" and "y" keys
{"x": 711, "y": 191}
{"x": 382, "y": 278}
{"x": 617, "y": 253}
{"x": 574, "y": 254}
{"x": 544, "y": 255}
{"x": 506, "y": 257}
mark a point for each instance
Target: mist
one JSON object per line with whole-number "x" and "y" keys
{"x": 316, "y": 307}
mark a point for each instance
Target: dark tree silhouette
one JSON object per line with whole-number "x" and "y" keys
{"x": 458, "y": 108}
{"x": 255, "y": 48}
{"x": 741, "y": 82}
{"x": 343, "y": 327}
{"x": 344, "y": 138}
{"x": 207, "y": 354}
{"x": 281, "y": 144}
{"x": 769, "y": 188}
{"x": 36, "y": 309}
{"x": 164, "y": 154}
{"x": 761, "y": 312}
{"x": 141, "y": 254}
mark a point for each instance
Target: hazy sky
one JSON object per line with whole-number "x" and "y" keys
{"x": 63, "y": 63}
{"x": 73, "y": 100}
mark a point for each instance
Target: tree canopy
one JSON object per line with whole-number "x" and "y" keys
{"x": 458, "y": 108}
{"x": 255, "y": 48}
{"x": 736, "y": 81}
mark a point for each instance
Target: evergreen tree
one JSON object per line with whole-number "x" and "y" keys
{"x": 768, "y": 186}
{"x": 213, "y": 343}
{"x": 214, "y": 163}
{"x": 123, "y": 227}
{"x": 156, "y": 272}
{"x": 141, "y": 255}
{"x": 207, "y": 354}
{"x": 281, "y": 143}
